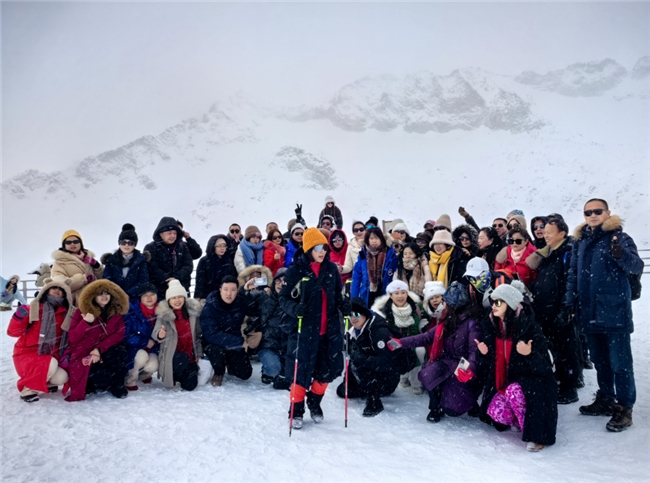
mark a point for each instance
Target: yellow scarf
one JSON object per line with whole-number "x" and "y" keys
{"x": 438, "y": 265}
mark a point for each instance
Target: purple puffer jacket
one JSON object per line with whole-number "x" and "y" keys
{"x": 457, "y": 396}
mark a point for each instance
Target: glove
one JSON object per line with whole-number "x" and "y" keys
{"x": 300, "y": 310}
{"x": 91, "y": 261}
{"x": 21, "y": 311}
{"x": 394, "y": 344}
{"x": 465, "y": 376}
{"x": 90, "y": 277}
{"x": 462, "y": 212}
{"x": 616, "y": 250}
{"x": 298, "y": 211}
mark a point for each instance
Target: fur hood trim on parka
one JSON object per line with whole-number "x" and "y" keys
{"x": 33, "y": 305}
{"x": 465, "y": 228}
{"x": 380, "y": 303}
{"x": 119, "y": 303}
{"x": 166, "y": 314}
{"x": 612, "y": 223}
{"x": 62, "y": 255}
{"x": 104, "y": 258}
{"x": 242, "y": 278}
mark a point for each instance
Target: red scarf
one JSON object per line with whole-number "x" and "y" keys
{"x": 149, "y": 314}
{"x": 503, "y": 348}
{"x": 185, "y": 340}
{"x": 438, "y": 346}
{"x": 323, "y": 317}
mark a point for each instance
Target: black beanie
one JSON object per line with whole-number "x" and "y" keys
{"x": 128, "y": 233}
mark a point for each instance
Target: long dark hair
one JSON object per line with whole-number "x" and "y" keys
{"x": 379, "y": 234}
{"x": 401, "y": 271}
{"x": 454, "y": 316}
{"x": 509, "y": 323}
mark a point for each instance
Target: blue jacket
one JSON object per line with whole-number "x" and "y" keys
{"x": 137, "y": 275}
{"x": 221, "y": 322}
{"x": 361, "y": 282}
{"x": 291, "y": 251}
{"x": 138, "y": 332}
{"x": 597, "y": 286}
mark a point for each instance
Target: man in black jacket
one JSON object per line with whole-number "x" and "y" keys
{"x": 170, "y": 257}
{"x": 192, "y": 244}
{"x": 552, "y": 263}
{"x": 373, "y": 372}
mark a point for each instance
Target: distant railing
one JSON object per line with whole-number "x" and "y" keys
{"x": 29, "y": 289}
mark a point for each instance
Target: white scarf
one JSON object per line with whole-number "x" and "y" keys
{"x": 403, "y": 316}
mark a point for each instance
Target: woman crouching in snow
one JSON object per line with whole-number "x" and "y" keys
{"x": 42, "y": 337}
{"x": 97, "y": 355}
{"x": 453, "y": 390}
{"x": 520, "y": 390}
{"x": 179, "y": 335}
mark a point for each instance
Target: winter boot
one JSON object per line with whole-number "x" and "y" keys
{"x": 621, "y": 419}
{"x": 534, "y": 447}
{"x": 373, "y": 406}
{"x": 281, "y": 382}
{"x": 298, "y": 413}
{"x": 120, "y": 392}
{"x": 313, "y": 403}
{"x": 266, "y": 379}
{"x": 580, "y": 383}
{"x": 435, "y": 415}
{"x": 147, "y": 380}
{"x": 30, "y": 398}
{"x": 567, "y": 396}
{"x": 602, "y": 406}
{"x": 52, "y": 389}
{"x": 217, "y": 380}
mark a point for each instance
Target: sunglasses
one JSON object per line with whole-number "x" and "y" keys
{"x": 221, "y": 245}
{"x": 497, "y": 302}
{"x": 401, "y": 232}
{"x": 498, "y": 225}
{"x": 72, "y": 242}
{"x": 597, "y": 212}
{"x": 464, "y": 238}
{"x": 355, "y": 315}
{"x": 539, "y": 227}
{"x": 256, "y": 234}
{"x": 358, "y": 230}
{"x": 235, "y": 231}
{"x": 438, "y": 228}
{"x": 515, "y": 241}
{"x": 420, "y": 242}
{"x": 326, "y": 222}
{"x": 103, "y": 292}
{"x": 127, "y": 242}
{"x": 298, "y": 233}
{"x": 397, "y": 247}
{"x": 277, "y": 237}
{"x": 319, "y": 248}
{"x": 337, "y": 240}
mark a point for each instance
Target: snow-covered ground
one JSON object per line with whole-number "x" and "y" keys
{"x": 239, "y": 432}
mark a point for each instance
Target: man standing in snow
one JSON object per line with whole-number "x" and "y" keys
{"x": 599, "y": 293}
{"x": 192, "y": 244}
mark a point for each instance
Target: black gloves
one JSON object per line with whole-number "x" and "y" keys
{"x": 616, "y": 250}
{"x": 300, "y": 310}
{"x": 462, "y": 212}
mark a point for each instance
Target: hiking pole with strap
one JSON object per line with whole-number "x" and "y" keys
{"x": 295, "y": 362}
{"x": 347, "y": 365}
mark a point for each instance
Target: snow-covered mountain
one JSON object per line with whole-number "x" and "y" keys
{"x": 411, "y": 147}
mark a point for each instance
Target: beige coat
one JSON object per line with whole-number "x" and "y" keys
{"x": 70, "y": 270}
{"x": 351, "y": 255}
{"x": 166, "y": 318}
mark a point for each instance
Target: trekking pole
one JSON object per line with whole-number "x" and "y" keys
{"x": 347, "y": 365}
{"x": 295, "y": 362}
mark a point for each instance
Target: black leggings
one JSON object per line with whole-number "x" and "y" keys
{"x": 185, "y": 372}
{"x": 110, "y": 373}
{"x": 236, "y": 361}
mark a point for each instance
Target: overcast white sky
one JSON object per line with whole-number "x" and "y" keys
{"x": 81, "y": 78}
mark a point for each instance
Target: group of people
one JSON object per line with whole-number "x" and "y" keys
{"x": 497, "y": 322}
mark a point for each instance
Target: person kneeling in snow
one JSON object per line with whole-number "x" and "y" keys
{"x": 97, "y": 355}
{"x": 373, "y": 372}
{"x": 312, "y": 296}
{"x": 42, "y": 335}
{"x": 179, "y": 336}
{"x": 448, "y": 375}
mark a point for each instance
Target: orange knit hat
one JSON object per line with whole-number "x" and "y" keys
{"x": 311, "y": 238}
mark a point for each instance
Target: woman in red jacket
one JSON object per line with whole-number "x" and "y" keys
{"x": 274, "y": 251}
{"x": 512, "y": 259}
{"x": 97, "y": 354}
{"x": 338, "y": 243}
{"x": 42, "y": 337}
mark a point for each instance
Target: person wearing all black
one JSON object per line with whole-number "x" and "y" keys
{"x": 552, "y": 264}
{"x": 537, "y": 225}
{"x": 170, "y": 257}
{"x": 213, "y": 266}
{"x": 192, "y": 244}
{"x": 223, "y": 342}
{"x": 466, "y": 238}
{"x": 490, "y": 244}
{"x": 234, "y": 237}
{"x": 127, "y": 267}
{"x": 373, "y": 373}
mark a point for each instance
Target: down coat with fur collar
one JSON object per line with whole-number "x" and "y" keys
{"x": 68, "y": 269}
{"x": 598, "y": 286}
{"x": 137, "y": 275}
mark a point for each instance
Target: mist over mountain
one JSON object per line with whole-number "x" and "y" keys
{"x": 410, "y": 147}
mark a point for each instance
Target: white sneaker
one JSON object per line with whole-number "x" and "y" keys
{"x": 417, "y": 391}
{"x": 404, "y": 382}
{"x": 534, "y": 447}
{"x": 297, "y": 422}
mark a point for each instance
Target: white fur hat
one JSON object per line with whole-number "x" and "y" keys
{"x": 396, "y": 286}
{"x": 401, "y": 227}
{"x": 431, "y": 289}
{"x": 175, "y": 289}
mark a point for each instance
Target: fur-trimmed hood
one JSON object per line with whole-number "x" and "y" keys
{"x": 612, "y": 223}
{"x": 119, "y": 303}
{"x": 380, "y": 303}
{"x": 242, "y": 278}
{"x": 465, "y": 228}
{"x": 60, "y": 255}
{"x": 105, "y": 257}
{"x": 33, "y": 305}
{"x": 166, "y": 314}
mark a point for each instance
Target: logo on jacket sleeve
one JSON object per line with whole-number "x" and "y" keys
{"x": 381, "y": 344}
